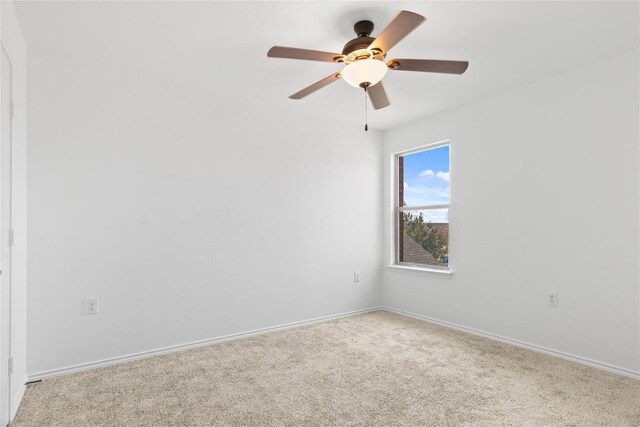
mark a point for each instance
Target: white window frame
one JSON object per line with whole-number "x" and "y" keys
{"x": 397, "y": 212}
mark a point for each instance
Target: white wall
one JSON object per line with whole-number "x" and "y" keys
{"x": 183, "y": 212}
{"x": 545, "y": 197}
{"x": 14, "y": 43}
{"x": 188, "y": 215}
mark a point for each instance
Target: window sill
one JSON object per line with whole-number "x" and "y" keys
{"x": 446, "y": 274}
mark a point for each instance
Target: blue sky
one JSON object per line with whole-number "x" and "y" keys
{"x": 426, "y": 177}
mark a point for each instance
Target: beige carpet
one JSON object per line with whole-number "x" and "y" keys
{"x": 374, "y": 369}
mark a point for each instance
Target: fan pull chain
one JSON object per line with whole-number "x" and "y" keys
{"x": 366, "y": 120}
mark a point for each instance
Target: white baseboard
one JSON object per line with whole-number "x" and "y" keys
{"x": 181, "y": 347}
{"x": 15, "y": 404}
{"x": 571, "y": 357}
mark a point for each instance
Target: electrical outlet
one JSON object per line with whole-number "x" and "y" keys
{"x": 552, "y": 299}
{"x": 91, "y": 306}
{"x": 356, "y": 277}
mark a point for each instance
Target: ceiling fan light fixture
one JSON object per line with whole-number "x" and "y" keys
{"x": 369, "y": 71}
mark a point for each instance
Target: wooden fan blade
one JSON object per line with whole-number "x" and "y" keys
{"x": 316, "y": 86}
{"x": 306, "y": 54}
{"x": 378, "y": 96}
{"x": 403, "y": 24}
{"x": 429, "y": 65}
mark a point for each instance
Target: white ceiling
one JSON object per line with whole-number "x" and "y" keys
{"x": 221, "y": 46}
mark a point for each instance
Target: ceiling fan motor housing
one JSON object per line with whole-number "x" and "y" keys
{"x": 363, "y": 29}
{"x": 357, "y": 44}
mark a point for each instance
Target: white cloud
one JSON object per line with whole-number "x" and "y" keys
{"x": 426, "y": 195}
{"x": 430, "y": 173}
{"x": 405, "y": 185}
{"x": 443, "y": 175}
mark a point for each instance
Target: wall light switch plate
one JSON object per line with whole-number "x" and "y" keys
{"x": 356, "y": 277}
{"x": 91, "y": 306}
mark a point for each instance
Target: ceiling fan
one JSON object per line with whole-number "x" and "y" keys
{"x": 364, "y": 58}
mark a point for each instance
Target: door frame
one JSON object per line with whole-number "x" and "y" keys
{"x": 5, "y": 276}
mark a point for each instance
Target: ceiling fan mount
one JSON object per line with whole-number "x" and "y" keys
{"x": 363, "y": 28}
{"x": 364, "y": 58}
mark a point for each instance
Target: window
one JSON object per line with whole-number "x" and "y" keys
{"x": 422, "y": 208}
